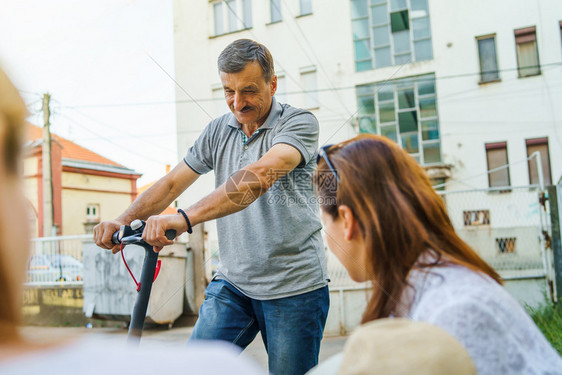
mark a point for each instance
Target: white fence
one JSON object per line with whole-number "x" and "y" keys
{"x": 507, "y": 227}
{"x": 56, "y": 260}
{"x": 504, "y": 226}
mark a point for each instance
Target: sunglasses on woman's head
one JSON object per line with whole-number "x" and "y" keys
{"x": 323, "y": 154}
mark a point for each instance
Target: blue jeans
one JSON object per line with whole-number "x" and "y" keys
{"x": 291, "y": 327}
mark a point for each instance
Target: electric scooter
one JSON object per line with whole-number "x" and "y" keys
{"x": 129, "y": 235}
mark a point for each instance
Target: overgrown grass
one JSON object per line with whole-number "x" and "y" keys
{"x": 549, "y": 320}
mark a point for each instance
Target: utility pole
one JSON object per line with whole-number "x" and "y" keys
{"x": 556, "y": 243}
{"x": 47, "y": 177}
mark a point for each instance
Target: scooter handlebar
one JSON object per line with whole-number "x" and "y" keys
{"x": 116, "y": 237}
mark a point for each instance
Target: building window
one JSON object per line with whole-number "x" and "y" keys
{"x": 476, "y": 217}
{"x": 306, "y": 7}
{"x": 310, "y": 86}
{"x": 281, "y": 93}
{"x": 390, "y": 33}
{"x": 247, "y": 13}
{"x": 488, "y": 61}
{"x": 540, "y": 145}
{"x": 275, "y": 10}
{"x": 506, "y": 245}
{"x": 400, "y": 28}
{"x": 361, "y": 35}
{"x": 496, "y": 155}
{"x": 527, "y": 52}
{"x": 93, "y": 213}
{"x": 218, "y": 17}
{"x": 405, "y": 111}
{"x": 232, "y": 15}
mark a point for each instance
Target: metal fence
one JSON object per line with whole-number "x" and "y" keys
{"x": 56, "y": 260}
{"x": 555, "y": 206}
{"x": 505, "y": 226}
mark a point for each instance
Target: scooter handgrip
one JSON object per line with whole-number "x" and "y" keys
{"x": 115, "y": 238}
{"x": 170, "y": 234}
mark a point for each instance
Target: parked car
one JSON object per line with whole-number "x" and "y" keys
{"x": 54, "y": 268}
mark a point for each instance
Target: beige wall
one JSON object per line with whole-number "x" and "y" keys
{"x": 74, "y": 208}
{"x": 85, "y": 181}
{"x": 112, "y": 202}
{"x": 31, "y": 166}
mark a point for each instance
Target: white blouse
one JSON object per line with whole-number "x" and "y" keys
{"x": 495, "y": 330}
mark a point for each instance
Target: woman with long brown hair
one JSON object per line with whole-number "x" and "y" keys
{"x": 387, "y": 225}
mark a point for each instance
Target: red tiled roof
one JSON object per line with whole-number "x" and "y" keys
{"x": 70, "y": 150}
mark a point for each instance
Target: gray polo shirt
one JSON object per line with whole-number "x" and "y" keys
{"x": 273, "y": 248}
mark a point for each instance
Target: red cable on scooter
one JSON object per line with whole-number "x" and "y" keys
{"x": 128, "y": 269}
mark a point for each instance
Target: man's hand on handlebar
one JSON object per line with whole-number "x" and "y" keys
{"x": 154, "y": 232}
{"x": 103, "y": 232}
{"x": 156, "y": 226}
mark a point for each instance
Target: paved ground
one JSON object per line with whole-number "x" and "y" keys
{"x": 256, "y": 350}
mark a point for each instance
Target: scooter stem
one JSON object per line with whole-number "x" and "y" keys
{"x": 141, "y": 305}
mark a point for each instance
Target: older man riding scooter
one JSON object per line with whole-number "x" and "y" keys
{"x": 272, "y": 276}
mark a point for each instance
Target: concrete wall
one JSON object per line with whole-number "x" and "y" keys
{"x": 110, "y": 293}
{"x": 529, "y": 292}
{"x": 53, "y": 306}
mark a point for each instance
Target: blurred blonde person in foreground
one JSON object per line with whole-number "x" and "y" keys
{"x": 386, "y": 224}
{"x": 90, "y": 355}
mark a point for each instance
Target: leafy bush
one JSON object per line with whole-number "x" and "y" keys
{"x": 549, "y": 320}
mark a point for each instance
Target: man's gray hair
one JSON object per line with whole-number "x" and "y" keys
{"x": 236, "y": 55}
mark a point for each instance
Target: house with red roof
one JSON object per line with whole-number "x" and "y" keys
{"x": 170, "y": 210}
{"x": 87, "y": 187}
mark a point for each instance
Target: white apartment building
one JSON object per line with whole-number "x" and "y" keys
{"x": 463, "y": 86}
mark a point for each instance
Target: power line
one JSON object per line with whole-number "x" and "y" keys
{"x": 420, "y": 78}
{"x": 119, "y": 145}
{"x": 184, "y": 90}
{"x": 379, "y": 87}
{"x": 508, "y": 94}
{"x": 107, "y": 126}
{"x": 319, "y": 62}
{"x": 497, "y": 169}
{"x": 135, "y": 104}
{"x": 29, "y": 93}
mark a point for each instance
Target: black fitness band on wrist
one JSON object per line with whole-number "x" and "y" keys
{"x": 182, "y": 212}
